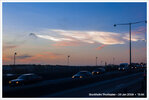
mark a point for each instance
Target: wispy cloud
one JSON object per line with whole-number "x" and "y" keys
{"x": 10, "y": 46}
{"x": 38, "y": 58}
{"x": 73, "y": 37}
{"x": 54, "y": 38}
{"x": 137, "y": 35}
{"x": 7, "y": 59}
{"x": 90, "y": 37}
{"x": 66, "y": 43}
{"x": 140, "y": 30}
{"x": 100, "y": 47}
{"x": 42, "y": 57}
{"x": 24, "y": 56}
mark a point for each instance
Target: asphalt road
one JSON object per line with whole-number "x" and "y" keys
{"x": 122, "y": 84}
{"x": 72, "y": 88}
{"x": 45, "y": 82}
{"x": 42, "y": 83}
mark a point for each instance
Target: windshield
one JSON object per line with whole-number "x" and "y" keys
{"x": 82, "y": 73}
{"x": 123, "y": 65}
{"x": 24, "y": 76}
{"x": 99, "y": 69}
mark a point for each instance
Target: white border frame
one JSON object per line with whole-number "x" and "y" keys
{"x": 71, "y": 1}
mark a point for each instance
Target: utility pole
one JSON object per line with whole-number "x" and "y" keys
{"x": 130, "y": 35}
{"x": 15, "y": 58}
{"x": 68, "y": 60}
{"x": 96, "y": 60}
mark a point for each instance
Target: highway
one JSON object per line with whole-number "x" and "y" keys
{"x": 117, "y": 85}
{"x": 67, "y": 87}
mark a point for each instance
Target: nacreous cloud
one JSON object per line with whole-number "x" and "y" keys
{"x": 54, "y": 38}
{"x": 104, "y": 38}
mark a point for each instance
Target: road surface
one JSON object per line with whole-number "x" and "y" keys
{"x": 125, "y": 84}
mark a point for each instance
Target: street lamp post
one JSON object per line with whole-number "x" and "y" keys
{"x": 15, "y": 58}
{"x": 96, "y": 60}
{"x": 68, "y": 60}
{"x": 130, "y": 35}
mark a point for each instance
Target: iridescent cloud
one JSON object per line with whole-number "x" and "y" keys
{"x": 66, "y": 43}
{"x": 100, "y": 47}
{"x": 73, "y": 37}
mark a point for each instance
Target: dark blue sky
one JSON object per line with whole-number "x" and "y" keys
{"x": 72, "y": 16}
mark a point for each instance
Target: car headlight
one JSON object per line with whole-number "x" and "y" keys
{"x": 17, "y": 82}
{"x": 81, "y": 77}
{"x": 9, "y": 82}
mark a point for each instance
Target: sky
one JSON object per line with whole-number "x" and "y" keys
{"x": 46, "y": 33}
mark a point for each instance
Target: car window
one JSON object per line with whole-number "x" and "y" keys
{"x": 99, "y": 69}
{"x": 22, "y": 77}
{"x": 34, "y": 76}
{"x": 26, "y": 77}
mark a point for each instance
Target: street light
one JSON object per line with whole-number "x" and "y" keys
{"x": 68, "y": 60}
{"x": 96, "y": 60}
{"x": 130, "y": 34}
{"x": 15, "y": 58}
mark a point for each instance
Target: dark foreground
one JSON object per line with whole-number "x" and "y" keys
{"x": 125, "y": 86}
{"x": 110, "y": 84}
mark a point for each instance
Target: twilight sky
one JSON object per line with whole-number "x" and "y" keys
{"x": 46, "y": 33}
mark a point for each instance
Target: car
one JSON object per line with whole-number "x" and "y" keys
{"x": 98, "y": 71}
{"x": 25, "y": 79}
{"x": 139, "y": 67}
{"x": 134, "y": 65}
{"x": 82, "y": 74}
{"x": 123, "y": 67}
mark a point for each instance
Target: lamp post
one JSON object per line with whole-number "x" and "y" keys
{"x": 130, "y": 35}
{"x": 68, "y": 60}
{"x": 15, "y": 58}
{"x": 96, "y": 60}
